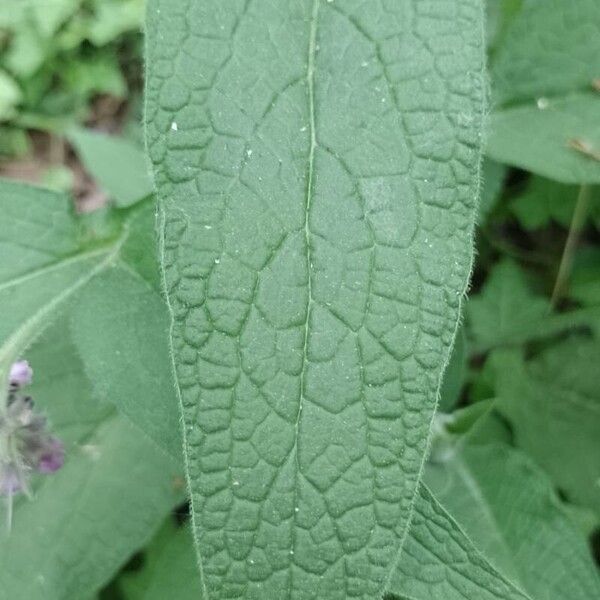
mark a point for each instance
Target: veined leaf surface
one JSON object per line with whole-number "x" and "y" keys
{"x": 316, "y": 164}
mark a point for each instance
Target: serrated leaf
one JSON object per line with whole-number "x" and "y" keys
{"x": 115, "y": 489}
{"x": 507, "y": 312}
{"x": 316, "y": 164}
{"x": 542, "y": 73}
{"x": 118, "y": 166}
{"x": 505, "y": 308}
{"x": 553, "y": 405}
{"x": 508, "y": 508}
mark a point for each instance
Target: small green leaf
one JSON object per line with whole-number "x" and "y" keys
{"x": 544, "y": 201}
{"x": 508, "y": 508}
{"x": 505, "y": 308}
{"x": 507, "y": 312}
{"x": 116, "y": 164}
{"x": 317, "y": 168}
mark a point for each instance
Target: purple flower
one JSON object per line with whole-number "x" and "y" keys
{"x": 20, "y": 373}
{"x": 52, "y": 457}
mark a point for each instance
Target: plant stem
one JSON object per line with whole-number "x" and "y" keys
{"x": 566, "y": 261}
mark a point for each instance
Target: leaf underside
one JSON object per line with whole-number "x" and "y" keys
{"x": 316, "y": 164}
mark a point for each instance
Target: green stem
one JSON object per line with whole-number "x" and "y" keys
{"x": 568, "y": 255}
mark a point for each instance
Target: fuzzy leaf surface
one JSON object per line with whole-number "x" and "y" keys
{"x": 316, "y": 164}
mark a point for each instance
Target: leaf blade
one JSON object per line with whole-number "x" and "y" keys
{"x": 276, "y": 190}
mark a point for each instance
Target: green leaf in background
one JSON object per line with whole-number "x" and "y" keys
{"x": 120, "y": 325}
{"x": 10, "y": 95}
{"x": 542, "y": 76}
{"x": 33, "y": 24}
{"x": 115, "y": 489}
{"x": 507, "y": 312}
{"x": 170, "y": 569}
{"x": 506, "y": 308}
{"x": 584, "y": 286}
{"x": 508, "y": 508}
{"x": 43, "y": 264}
{"x": 551, "y": 48}
{"x": 49, "y": 259}
{"x": 439, "y": 562}
{"x": 544, "y": 201}
{"x": 553, "y": 404}
{"x": 116, "y": 164}
{"x": 317, "y": 166}
{"x": 113, "y": 18}
{"x": 454, "y": 375}
{"x": 541, "y": 137}
{"x": 493, "y": 175}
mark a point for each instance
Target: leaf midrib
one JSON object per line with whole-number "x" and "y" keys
{"x": 310, "y": 71}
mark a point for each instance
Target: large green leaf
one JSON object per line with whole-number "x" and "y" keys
{"x": 542, "y": 75}
{"x": 508, "y": 508}
{"x": 438, "y": 563}
{"x": 115, "y": 489}
{"x": 317, "y": 166}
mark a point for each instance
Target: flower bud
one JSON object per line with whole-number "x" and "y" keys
{"x": 52, "y": 457}
{"x": 20, "y": 374}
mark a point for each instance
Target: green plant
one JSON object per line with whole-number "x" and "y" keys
{"x": 349, "y": 431}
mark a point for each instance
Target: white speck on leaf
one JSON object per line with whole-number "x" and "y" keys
{"x": 542, "y": 103}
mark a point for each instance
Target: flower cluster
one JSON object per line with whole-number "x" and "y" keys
{"x": 26, "y": 445}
